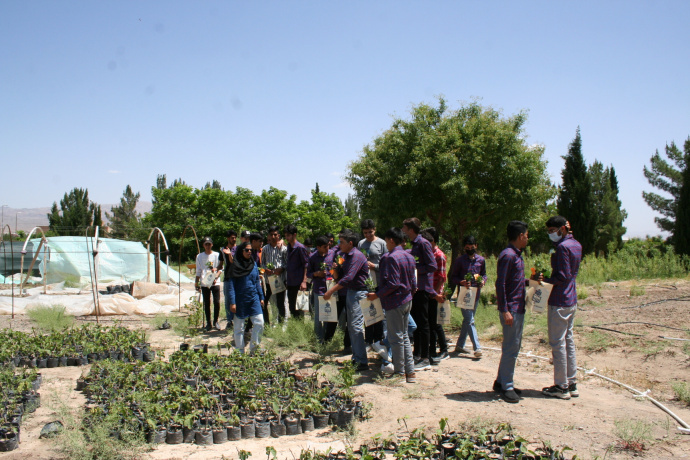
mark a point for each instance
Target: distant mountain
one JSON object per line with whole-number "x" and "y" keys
{"x": 28, "y": 218}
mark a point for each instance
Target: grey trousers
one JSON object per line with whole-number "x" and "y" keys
{"x": 512, "y": 340}
{"x": 561, "y": 321}
{"x": 397, "y": 321}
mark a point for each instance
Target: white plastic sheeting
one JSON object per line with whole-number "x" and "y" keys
{"x": 119, "y": 261}
{"x": 80, "y": 302}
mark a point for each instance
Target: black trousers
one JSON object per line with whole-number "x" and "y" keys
{"x": 436, "y": 332}
{"x": 280, "y": 301}
{"x": 206, "y": 294}
{"x": 292, "y": 292}
{"x": 420, "y": 314}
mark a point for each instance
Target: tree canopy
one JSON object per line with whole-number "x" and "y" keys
{"x": 667, "y": 177}
{"x": 124, "y": 218}
{"x": 75, "y": 215}
{"x": 463, "y": 171}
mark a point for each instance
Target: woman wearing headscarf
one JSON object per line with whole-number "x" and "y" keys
{"x": 246, "y": 297}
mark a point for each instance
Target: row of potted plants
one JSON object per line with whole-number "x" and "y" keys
{"x": 210, "y": 398}
{"x": 18, "y": 396}
{"x": 73, "y": 347}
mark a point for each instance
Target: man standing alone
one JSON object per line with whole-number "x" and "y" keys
{"x": 510, "y": 295}
{"x": 565, "y": 264}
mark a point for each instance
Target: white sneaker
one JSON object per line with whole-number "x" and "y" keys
{"x": 477, "y": 354}
{"x": 387, "y": 368}
{"x": 381, "y": 350}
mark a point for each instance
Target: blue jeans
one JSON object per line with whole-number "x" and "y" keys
{"x": 512, "y": 340}
{"x": 468, "y": 328}
{"x": 226, "y": 293}
{"x": 355, "y": 325}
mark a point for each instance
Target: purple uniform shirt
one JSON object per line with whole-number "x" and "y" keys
{"x": 510, "y": 280}
{"x": 318, "y": 284}
{"x": 297, "y": 257}
{"x": 355, "y": 271}
{"x": 565, "y": 263}
{"x": 426, "y": 264}
{"x": 397, "y": 281}
{"x": 464, "y": 265}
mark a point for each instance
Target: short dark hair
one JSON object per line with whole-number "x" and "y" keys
{"x": 427, "y": 236}
{"x": 395, "y": 234}
{"x": 273, "y": 228}
{"x": 307, "y": 242}
{"x": 329, "y": 235}
{"x": 556, "y": 221}
{"x": 469, "y": 239}
{"x": 256, "y": 236}
{"x": 515, "y": 229}
{"x": 413, "y": 224}
{"x": 230, "y": 233}
{"x": 321, "y": 241}
{"x": 367, "y": 224}
{"x": 291, "y": 229}
{"x": 433, "y": 232}
{"x": 349, "y": 236}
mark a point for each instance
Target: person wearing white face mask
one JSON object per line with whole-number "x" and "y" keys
{"x": 565, "y": 264}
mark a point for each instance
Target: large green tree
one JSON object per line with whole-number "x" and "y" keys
{"x": 463, "y": 171}
{"x": 75, "y": 215}
{"x": 608, "y": 213}
{"x": 575, "y": 197}
{"x": 125, "y": 220}
{"x": 681, "y": 229}
{"x": 325, "y": 213}
{"x": 667, "y": 177}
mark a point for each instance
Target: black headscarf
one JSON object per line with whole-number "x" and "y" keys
{"x": 241, "y": 266}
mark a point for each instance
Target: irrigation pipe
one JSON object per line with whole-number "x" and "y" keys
{"x": 684, "y": 428}
{"x": 648, "y": 324}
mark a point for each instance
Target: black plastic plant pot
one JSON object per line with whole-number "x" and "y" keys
{"x": 53, "y": 362}
{"x": 156, "y": 437}
{"x": 262, "y": 430}
{"x": 277, "y": 429}
{"x": 321, "y": 421}
{"x": 248, "y": 430}
{"x": 346, "y": 417}
{"x": 204, "y": 438}
{"x": 174, "y": 436}
{"x": 307, "y": 424}
{"x": 9, "y": 442}
{"x": 149, "y": 356}
{"x": 188, "y": 435}
{"x": 184, "y": 346}
{"x": 42, "y": 363}
{"x": 62, "y": 361}
{"x": 235, "y": 433}
{"x": 220, "y": 436}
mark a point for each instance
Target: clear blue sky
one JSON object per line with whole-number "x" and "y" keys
{"x": 109, "y": 93}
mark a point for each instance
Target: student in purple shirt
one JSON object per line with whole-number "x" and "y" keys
{"x": 426, "y": 266}
{"x": 396, "y": 285}
{"x": 469, "y": 262}
{"x": 296, "y": 280}
{"x": 315, "y": 271}
{"x": 510, "y": 294}
{"x": 565, "y": 264}
{"x": 355, "y": 273}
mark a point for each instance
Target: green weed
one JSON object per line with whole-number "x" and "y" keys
{"x": 633, "y": 434}
{"x": 292, "y": 335}
{"x": 50, "y": 318}
{"x": 637, "y": 290}
{"x": 596, "y": 341}
{"x": 682, "y": 391}
{"x": 582, "y": 293}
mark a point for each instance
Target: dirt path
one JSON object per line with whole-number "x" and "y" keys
{"x": 460, "y": 388}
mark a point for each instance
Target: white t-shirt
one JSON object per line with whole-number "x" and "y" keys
{"x": 206, "y": 262}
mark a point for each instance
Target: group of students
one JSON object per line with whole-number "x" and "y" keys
{"x": 410, "y": 285}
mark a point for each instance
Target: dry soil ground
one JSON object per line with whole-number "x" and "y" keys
{"x": 460, "y": 388}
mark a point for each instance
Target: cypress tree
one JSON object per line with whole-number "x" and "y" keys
{"x": 575, "y": 198}
{"x": 681, "y": 234}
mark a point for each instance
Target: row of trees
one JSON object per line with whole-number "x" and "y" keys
{"x": 463, "y": 171}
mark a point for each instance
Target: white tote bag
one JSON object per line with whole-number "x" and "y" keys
{"x": 207, "y": 278}
{"x": 372, "y": 311}
{"x": 276, "y": 284}
{"x": 443, "y": 313}
{"x": 328, "y": 311}
{"x": 538, "y": 296}
{"x": 466, "y": 297}
{"x": 303, "y": 301}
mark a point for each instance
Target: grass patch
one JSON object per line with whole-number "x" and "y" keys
{"x": 636, "y": 291}
{"x": 682, "y": 391}
{"x": 582, "y": 293}
{"x": 596, "y": 341}
{"x": 633, "y": 434}
{"x": 50, "y": 318}
{"x": 292, "y": 335}
{"x": 649, "y": 347}
{"x": 536, "y": 324}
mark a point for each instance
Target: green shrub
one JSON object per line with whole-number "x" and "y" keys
{"x": 682, "y": 391}
{"x": 50, "y": 318}
{"x": 633, "y": 434}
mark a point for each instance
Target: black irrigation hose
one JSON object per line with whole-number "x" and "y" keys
{"x": 649, "y": 324}
{"x": 684, "y": 298}
{"x": 613, "y": 330}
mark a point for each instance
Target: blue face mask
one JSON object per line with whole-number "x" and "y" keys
{"x": 555, "y": 237}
